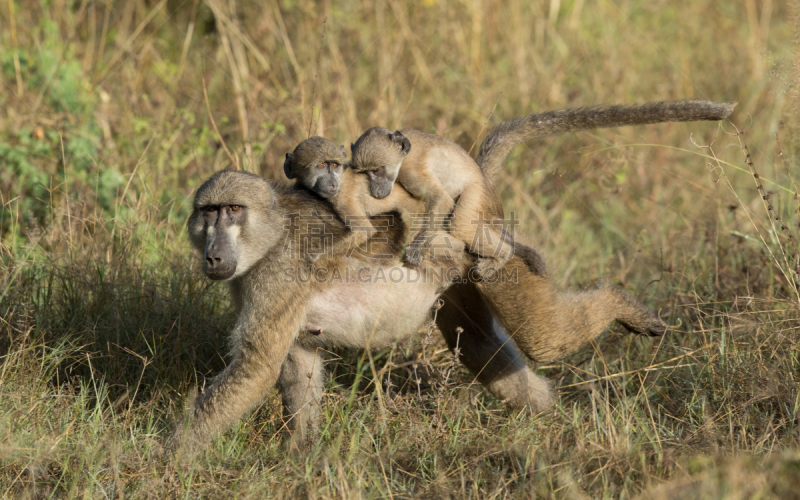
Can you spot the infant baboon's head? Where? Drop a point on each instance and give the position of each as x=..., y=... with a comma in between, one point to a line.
x=379, y=153
x=317, y=164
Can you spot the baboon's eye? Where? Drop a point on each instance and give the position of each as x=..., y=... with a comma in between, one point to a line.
x=234, y=208
x=321, y=165
x=334, y=165
x=209, y=209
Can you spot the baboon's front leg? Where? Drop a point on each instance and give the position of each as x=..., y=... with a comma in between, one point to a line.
x=259, y=347
x=301, y=383
x=466, y=323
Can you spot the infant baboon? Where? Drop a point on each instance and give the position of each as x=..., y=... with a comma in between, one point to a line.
x=319, y=165
x=439, y=171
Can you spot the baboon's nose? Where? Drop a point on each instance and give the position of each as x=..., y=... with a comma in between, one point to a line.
x=220, y=264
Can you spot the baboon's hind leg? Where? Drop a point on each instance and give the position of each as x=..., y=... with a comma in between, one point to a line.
x=466, y=322
x=548, y=323
x=301, y=383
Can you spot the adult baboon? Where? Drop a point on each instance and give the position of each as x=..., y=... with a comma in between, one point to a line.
x=251, y=231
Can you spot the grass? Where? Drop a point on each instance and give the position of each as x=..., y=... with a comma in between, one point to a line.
x=106, y=321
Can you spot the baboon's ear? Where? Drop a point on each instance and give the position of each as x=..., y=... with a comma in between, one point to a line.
x=352, y=147
x=287, y=166
x=402, y=141
x=344, y=151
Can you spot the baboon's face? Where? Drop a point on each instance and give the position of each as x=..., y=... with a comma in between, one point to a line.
x=322, y=176
x=223, y=225
x=379, y=153
x=381, y=181
x=317, y=164
x=231, y=225
x=326, y=181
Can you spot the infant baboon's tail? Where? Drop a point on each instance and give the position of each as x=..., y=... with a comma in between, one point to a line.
x=555, y=323
x=502, y=138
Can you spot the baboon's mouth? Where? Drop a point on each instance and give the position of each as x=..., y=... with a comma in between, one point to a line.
x=329, y=193
x=381, y=191
x=221, y=274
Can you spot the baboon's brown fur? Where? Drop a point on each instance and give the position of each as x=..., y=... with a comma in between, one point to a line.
x=269, y=344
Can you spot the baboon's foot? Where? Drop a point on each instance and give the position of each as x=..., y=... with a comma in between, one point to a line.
x=652, y=326
x=637, y=318
x=525, y=390
x=299, y=440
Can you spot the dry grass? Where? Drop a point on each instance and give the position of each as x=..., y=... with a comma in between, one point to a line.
x=105, y=322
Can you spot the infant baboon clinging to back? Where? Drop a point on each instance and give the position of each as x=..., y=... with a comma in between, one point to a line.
x=439, y=171
x=319, y=165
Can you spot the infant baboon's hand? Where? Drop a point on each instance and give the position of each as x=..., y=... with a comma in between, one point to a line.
x=413, y=257
x=415, y=251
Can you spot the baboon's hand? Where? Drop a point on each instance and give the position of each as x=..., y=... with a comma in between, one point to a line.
x=413, y=257
x=415, y=252
x=177, y=445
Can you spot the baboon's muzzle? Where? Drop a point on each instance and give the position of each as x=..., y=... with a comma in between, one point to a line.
x=220, y=258
x=379, y=186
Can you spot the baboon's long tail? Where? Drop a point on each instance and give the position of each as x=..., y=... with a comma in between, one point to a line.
x=502, y=138
x=555, y=323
